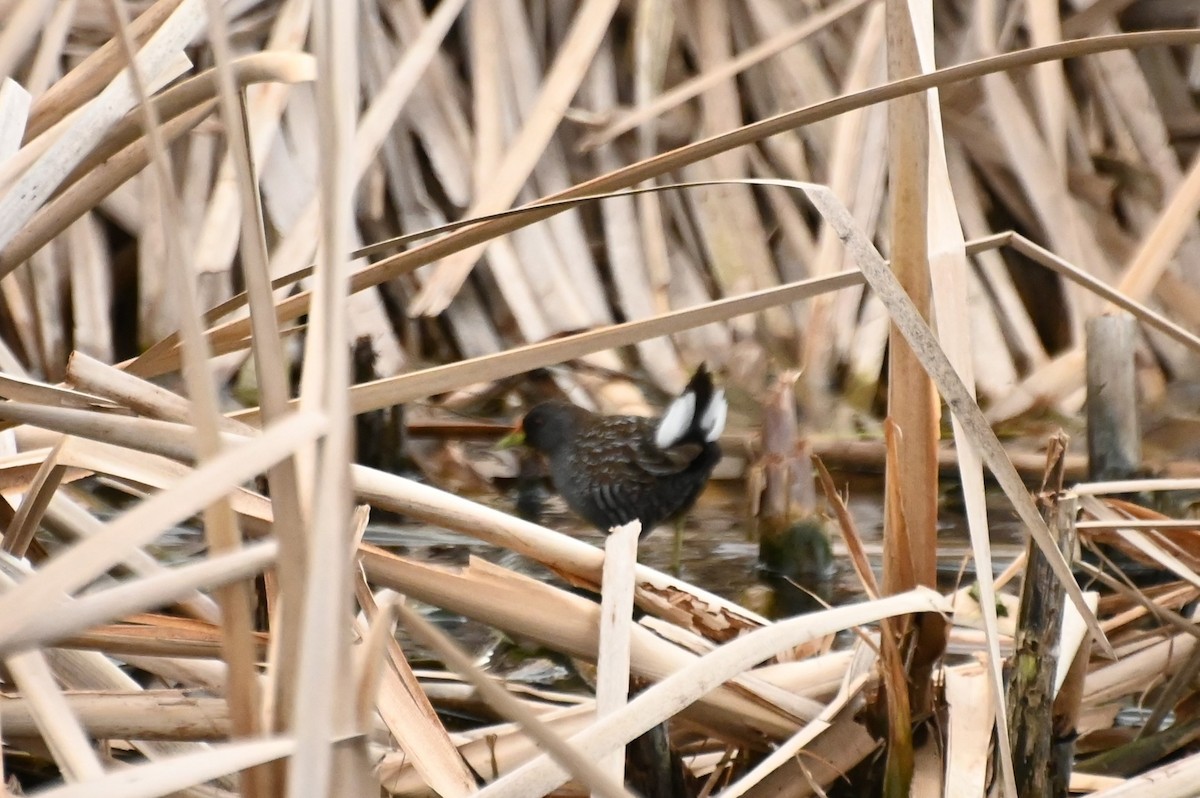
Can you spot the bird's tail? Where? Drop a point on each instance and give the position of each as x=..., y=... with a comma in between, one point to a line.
x=696, y=416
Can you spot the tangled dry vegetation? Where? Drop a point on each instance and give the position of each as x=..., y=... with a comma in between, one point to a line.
x=1036, y=167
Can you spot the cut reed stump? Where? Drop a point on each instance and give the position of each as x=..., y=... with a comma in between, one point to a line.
x=1041, y=765
x=795, y=555
x=1114, y=436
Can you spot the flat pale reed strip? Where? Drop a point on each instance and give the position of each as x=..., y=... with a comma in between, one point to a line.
x=970, y=716
x=147, y=715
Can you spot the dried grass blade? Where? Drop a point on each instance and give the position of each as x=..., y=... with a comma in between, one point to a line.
x=419, y=384
x=858, y=555
x=323, y=699
x=1077, y=275
x=792, y=748
x=270, y=368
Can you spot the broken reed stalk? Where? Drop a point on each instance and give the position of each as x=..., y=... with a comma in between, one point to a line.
x=1039, y=625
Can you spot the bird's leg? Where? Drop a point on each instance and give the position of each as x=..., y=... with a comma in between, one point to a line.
x=677, y=548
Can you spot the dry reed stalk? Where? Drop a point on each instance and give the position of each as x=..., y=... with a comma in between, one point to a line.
x=323, y=467
x=287, y=507
x=58, y=726
x=220, y=523
x=153, y=589
x=150, y=715
x=968, y=739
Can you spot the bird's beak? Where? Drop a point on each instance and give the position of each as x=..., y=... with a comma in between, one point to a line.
x=512, y=439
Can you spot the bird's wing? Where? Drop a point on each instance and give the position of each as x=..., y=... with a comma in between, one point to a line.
x=664, y=462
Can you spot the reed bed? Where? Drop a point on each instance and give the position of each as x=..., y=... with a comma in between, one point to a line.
x=918, y=207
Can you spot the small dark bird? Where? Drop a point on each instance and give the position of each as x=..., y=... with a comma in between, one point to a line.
x=613, y=469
